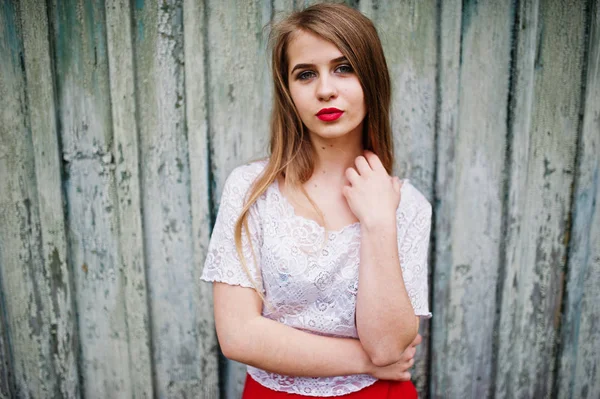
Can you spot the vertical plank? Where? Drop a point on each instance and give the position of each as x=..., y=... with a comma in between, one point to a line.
x=83, y=96
x=463, y=337
x=544, y=136
x=42, y=117
x=196, y=107
x=240, y=102
x=168, y=230
x=445, y=185
x=130, y=233
x=408, y=33
x=30, y=306
x=579, y=368
x=6, y=380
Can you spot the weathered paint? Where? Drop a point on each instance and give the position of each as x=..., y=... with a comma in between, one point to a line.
x=83, y=94
x=28, y=305
x=46, y=152
x=408, y=33
x=544, y=135
x=579, y=367
x=462, y=347
x=165, y=193
x=144, y=165
x=126, y=159
x=239, y=93
x=196, y=107
x=445, y=202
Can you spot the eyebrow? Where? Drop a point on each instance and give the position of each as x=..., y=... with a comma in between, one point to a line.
x=335, y=60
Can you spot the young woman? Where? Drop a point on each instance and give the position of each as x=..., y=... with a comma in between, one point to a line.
x=319, y=256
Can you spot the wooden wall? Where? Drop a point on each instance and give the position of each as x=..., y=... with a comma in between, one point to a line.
x=120, y=120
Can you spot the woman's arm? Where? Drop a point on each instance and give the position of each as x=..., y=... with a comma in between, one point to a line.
x=385, y=318
x=248, y=337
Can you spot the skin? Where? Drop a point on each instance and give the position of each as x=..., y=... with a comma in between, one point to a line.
x=348, y=185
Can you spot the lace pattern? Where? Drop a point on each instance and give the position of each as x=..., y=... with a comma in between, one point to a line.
x=310, y=284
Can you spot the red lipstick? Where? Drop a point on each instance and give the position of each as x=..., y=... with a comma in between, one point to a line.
x=329, y=114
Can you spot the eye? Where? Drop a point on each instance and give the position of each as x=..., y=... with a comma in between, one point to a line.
x=344, y=68
x=305, y=75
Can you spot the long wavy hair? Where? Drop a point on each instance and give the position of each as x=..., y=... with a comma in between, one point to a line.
x=292, y=154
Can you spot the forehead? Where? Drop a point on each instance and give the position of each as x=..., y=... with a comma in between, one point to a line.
x=308, y=48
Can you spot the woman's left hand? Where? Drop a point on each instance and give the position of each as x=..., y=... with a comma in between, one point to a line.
x=373, y=195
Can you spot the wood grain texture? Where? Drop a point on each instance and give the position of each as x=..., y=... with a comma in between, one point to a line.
x=544, y=135
x=196, y=107
x=240, y=102
x=34, y=288
x=43, y=125
x=445, y=186
x=579, y=368
x=130, y=233
x=167, y=211
x=465, y=333
x=408, y=33
x=83, y=94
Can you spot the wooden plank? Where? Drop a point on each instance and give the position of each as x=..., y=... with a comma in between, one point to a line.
x=546, y=107
x=168, y=229
x=579, y=368
x=130, y=232
x=83, y=96
x=28, y=309
x=42, y=118
x=6, y=377
x=445, y=185
x=463, y=337
x=196, y=95
x=408, y=33
x=240, y=94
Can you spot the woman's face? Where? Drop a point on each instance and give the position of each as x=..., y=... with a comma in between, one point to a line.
x=324, y=88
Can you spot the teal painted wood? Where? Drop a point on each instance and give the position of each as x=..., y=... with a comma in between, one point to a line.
x=465, y=334
x=446, y=195
x=46, y=153
x=146, y=133
x=579, y=368
x=35, y=293
x=408, y=33
x=130, y=231
x=83, y=95
x=239, y=94
x=542, y=167
x=167, y=211
x=196, y=102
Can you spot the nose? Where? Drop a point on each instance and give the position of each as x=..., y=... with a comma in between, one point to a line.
x=326, y=88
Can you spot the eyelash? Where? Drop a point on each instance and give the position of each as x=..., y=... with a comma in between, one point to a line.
x=302, y=75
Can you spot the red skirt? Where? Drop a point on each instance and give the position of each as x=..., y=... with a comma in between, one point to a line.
x=379, y=390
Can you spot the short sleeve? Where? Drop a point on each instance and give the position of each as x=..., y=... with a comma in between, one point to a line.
x=222, y=262
x=413, y=249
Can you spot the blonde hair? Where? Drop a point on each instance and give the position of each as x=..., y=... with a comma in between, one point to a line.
x=291, y=153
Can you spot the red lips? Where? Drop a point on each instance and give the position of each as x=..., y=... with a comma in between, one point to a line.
x=329, y=114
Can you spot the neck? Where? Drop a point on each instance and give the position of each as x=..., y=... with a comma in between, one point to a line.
x=334, y=156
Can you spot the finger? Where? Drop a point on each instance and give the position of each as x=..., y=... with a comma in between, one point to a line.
x=362, y=165
x=404, y=376
x=374, y=161
x=411, y=362
x=352, y=175
x=417, y=341
x=346, y=191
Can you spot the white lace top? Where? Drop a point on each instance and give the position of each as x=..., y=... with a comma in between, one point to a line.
x=311, y=285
